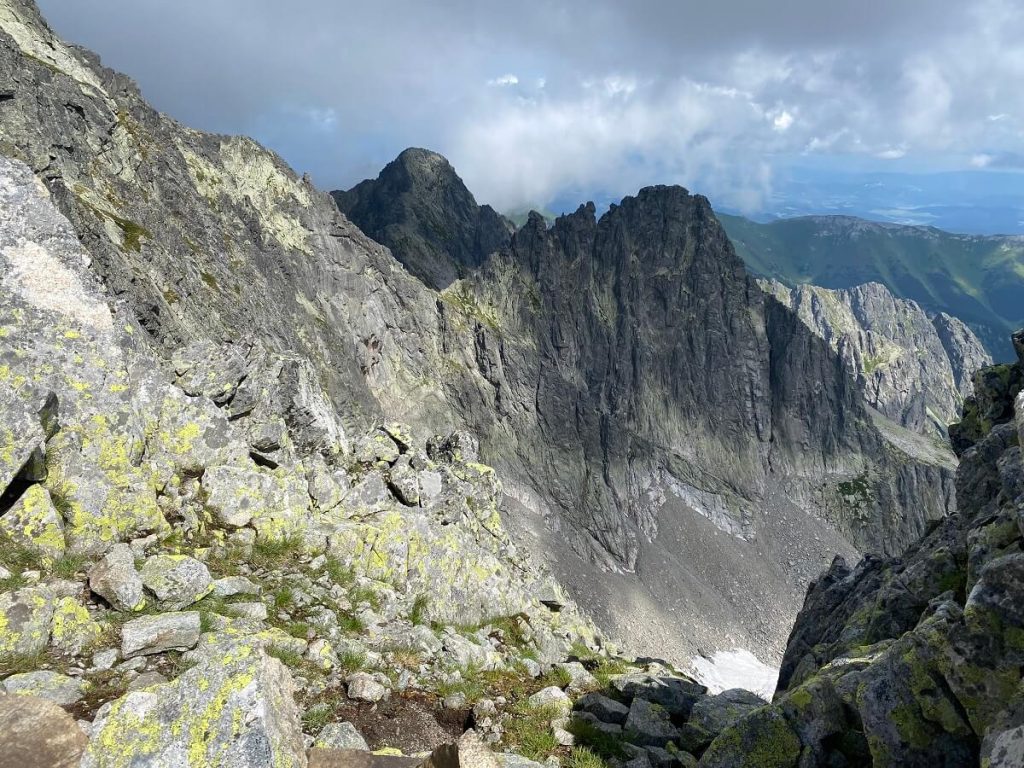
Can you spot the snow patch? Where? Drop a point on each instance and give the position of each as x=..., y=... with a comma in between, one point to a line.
x=737, y=668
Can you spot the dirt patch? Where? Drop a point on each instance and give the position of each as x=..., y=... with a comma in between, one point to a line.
x=412, y=723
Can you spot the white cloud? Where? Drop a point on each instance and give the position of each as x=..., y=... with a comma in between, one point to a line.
x=981, y=160
x=782, y=121
x=894, y=153
x=504, y=80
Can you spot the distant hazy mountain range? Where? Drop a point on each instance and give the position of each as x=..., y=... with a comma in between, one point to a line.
x=978, y=278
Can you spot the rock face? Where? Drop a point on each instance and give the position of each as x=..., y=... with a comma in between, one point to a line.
x=643, y=401
x=916, y=660
x=914, y=367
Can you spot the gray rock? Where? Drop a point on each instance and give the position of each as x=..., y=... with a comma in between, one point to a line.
x=229, y=586
x=45, y=684
x=363, y=687
x=716, y=713
x=238, y=496
x=377, y=447
x=404, y=482
x=912, y=366
x=510, y=760
x=146, y=680
x=207, y=370
x=115, y=579
x=163, y=632
x=26, y=617
x=648, y=724
x=581, y=681
x=34, y=523
x=674, y=694
x=459, y=446
x=553, y=697
x=340, y=736
x=176, y=580
x=254, y=611
x=35, y=733
x=604, y=709
x=21, y=440
x=105, y=659
x=466, y=653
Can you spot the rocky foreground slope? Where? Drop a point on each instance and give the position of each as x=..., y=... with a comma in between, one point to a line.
x=914, y=367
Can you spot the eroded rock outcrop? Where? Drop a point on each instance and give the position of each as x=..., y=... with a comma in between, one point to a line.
x=916, y=660
x=912, y=366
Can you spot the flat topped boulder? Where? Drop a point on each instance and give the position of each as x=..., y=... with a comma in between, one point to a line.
x=716, y=713
x=163, y=632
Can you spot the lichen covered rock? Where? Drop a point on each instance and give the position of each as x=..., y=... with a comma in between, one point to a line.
x=33, y=522
x=177, y=581
x=115, y=579
x=237, y=710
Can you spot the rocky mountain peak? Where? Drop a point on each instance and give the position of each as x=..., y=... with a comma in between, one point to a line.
x=418, y=199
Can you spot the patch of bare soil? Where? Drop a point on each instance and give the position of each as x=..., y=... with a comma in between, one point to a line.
x=412, y=723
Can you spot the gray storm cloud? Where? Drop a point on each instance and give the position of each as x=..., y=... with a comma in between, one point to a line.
x=531, y=100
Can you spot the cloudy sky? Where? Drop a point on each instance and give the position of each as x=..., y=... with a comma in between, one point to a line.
x=763, y=106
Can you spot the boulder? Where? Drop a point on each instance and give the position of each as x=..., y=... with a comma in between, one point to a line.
x=340, y=736
x=648, y=724
x=673, y=693
x=553, y=697
x=363, y=687
x=115, y=579
x=177, y=580
x=36, y=733
x=45, y=684
x=459, y=446
x=604, y=709
x=34, y=523
x=468, y=752
x=716, y=713
x=205, y=369
x=25, y=621
x=274, y=502
x=763, y=739
x=162, y=632
x=230, y=586
x=581, y=680
x=72, y=628
x=235, y=710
